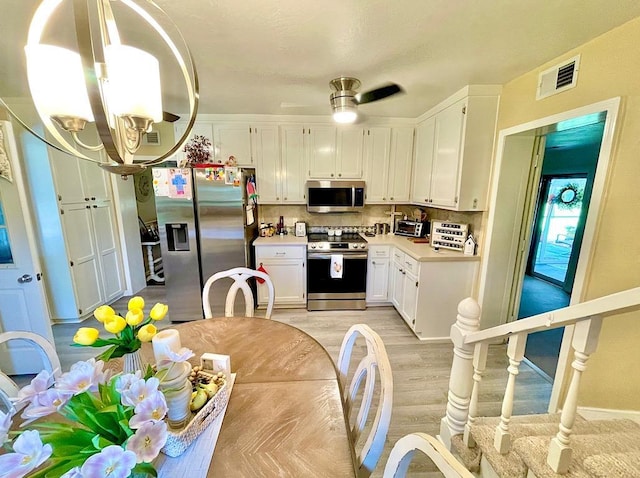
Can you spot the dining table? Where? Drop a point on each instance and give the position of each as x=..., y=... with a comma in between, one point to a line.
x=285, y=416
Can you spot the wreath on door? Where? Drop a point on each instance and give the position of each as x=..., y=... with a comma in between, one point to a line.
x=568, y=197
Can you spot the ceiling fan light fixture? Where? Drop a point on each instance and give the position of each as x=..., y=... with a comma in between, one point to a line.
x=345, y=114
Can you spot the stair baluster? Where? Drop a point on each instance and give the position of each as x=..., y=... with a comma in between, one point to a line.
x=515, y=352
x=461, y=378
x=584, y=342
x=479, y=364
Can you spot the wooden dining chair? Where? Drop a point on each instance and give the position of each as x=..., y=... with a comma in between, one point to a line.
x=45, y=349
x=239, y=276
x=405, y=448
x=364, y=379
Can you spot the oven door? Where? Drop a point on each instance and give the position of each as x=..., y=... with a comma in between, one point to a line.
x=352, y=285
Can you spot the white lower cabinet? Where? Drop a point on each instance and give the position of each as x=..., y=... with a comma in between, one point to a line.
x=378, y=274
x=426, y=294
x=287, y=268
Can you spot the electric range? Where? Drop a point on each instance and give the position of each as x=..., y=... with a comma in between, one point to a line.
x=336, y=272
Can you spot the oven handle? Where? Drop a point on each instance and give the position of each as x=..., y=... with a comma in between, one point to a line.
x=345, y=256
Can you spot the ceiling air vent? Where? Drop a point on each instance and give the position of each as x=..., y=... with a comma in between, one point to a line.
x=152, y=138
x=558, y=78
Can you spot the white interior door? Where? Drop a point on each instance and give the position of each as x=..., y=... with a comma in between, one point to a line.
x=22, y=300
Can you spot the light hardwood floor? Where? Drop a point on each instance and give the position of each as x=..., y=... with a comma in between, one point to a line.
x=420, y=370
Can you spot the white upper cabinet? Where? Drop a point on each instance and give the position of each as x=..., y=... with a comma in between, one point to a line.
x=280, y=169
x=400, y=160
x=320, y=147
x=293, y=169
x=268, y=174
x=425, y=137
x=454, y=146
x=388, y=157
x=377, y=143
x=350, y=144
x=233, y=140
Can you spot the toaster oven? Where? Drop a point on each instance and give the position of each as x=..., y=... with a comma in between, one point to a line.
x=409, y=228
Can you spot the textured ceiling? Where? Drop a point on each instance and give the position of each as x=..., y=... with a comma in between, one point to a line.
x=254, y=55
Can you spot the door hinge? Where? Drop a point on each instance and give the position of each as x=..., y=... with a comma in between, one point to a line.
x=80, y=311
x=249, y=129
x=535, y=162
x=59, y=197
x=416, y=283
x=464, y=110
x=303, y=295
x=71, y=263
x=61, y=211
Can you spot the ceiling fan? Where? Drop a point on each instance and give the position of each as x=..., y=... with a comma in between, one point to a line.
x=345, y=97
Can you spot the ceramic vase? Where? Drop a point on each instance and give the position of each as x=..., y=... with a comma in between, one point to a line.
x=177, y=393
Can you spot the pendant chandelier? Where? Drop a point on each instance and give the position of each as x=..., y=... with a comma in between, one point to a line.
x=109, y=90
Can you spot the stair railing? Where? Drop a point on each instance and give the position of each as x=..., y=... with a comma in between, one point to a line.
x=470, y=347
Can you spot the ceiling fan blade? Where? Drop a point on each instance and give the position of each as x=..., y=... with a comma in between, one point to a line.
x=378, y=93
x=169, y=117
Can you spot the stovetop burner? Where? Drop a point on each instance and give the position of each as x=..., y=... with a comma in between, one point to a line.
x=350, y=242
x=324, y=237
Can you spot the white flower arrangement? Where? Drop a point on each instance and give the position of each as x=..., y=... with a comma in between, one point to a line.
x=114, y=426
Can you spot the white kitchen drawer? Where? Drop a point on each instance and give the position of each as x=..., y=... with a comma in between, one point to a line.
x=398, y=256
x=378, y=251
x=410, y=264
x=281, y=252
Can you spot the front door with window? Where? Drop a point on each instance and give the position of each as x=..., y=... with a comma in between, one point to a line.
x=22, y=301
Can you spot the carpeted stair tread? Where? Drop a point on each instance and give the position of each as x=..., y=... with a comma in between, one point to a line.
x=614, y=465
x=511, y=464
x=469, y=457
x=533, y=451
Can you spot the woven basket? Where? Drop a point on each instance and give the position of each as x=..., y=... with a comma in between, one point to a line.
x=179, y=441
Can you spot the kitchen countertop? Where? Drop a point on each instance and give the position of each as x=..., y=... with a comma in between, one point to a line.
x=420, y=252
x=277, y=240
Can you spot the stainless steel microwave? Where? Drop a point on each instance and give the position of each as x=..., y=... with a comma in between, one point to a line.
x=335, y=196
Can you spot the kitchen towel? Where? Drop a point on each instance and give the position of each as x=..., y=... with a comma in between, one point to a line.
x=336, y=266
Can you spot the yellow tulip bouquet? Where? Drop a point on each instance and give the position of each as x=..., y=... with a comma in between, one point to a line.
x=130, y=331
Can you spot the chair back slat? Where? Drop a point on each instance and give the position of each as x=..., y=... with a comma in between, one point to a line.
x=239, y=275
x=44, y=348
x=375, y=362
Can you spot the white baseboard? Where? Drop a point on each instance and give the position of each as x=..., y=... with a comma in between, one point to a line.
x=591, y=413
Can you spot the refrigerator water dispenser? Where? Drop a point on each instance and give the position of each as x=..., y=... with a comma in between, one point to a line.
x=177, y=237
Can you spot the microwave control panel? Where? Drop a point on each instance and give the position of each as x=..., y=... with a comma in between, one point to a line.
x=449, y=235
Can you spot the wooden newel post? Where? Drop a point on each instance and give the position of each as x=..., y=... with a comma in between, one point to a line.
x=461, y=378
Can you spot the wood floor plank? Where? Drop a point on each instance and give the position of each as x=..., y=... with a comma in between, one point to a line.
x=420, y=370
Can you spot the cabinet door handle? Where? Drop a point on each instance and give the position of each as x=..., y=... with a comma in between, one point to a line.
x=281, y=253
x=339, y=175
x=93, y=198
x=391, y=198
x=86, y=199
x=373, y=262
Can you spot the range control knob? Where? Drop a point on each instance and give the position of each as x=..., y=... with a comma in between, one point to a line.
x=362, y=246
x=313, y=246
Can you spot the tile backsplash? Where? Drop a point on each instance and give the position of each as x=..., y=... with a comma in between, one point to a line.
x=367, y=218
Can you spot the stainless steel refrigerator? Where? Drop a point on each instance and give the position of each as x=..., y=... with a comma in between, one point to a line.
x=207, y=221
